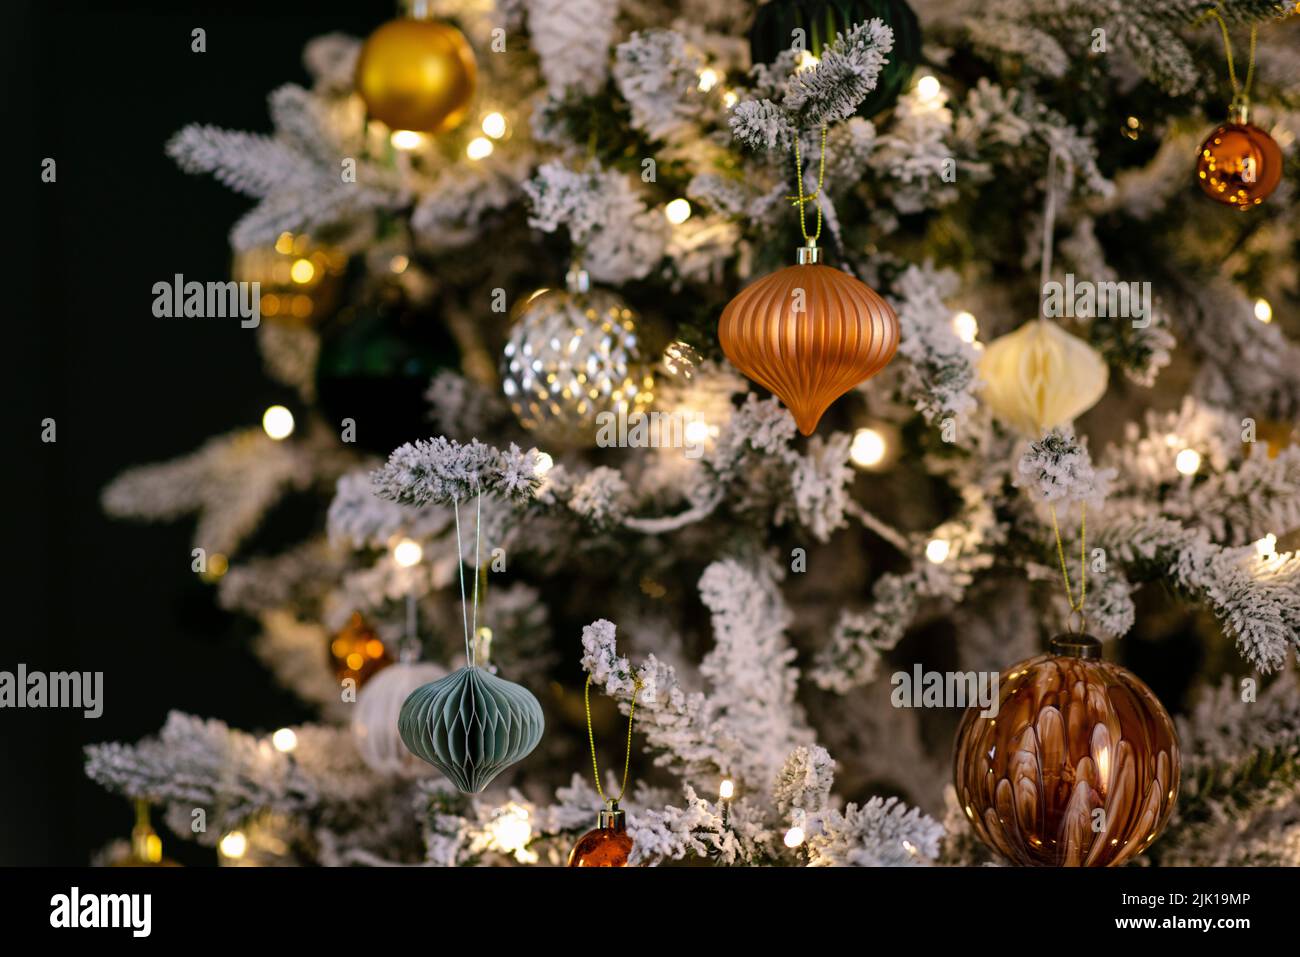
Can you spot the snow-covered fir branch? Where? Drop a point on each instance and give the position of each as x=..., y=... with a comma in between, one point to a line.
x=441, y=471
x=230, y=483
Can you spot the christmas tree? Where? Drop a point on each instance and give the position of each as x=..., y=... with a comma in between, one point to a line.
x=1044, y=383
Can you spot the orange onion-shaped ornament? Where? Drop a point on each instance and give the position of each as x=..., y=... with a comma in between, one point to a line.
x=608, y=845
x=1239, y=164
x=1078, y=768
x=808, y=333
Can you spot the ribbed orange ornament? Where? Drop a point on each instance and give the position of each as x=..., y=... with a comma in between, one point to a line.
x=808, y=333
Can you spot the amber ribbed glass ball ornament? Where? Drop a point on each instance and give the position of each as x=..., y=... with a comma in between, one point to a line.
x=608, y=845
x=1239, y=164
x=417, y=74
x=808, y=334
x=1079, y=767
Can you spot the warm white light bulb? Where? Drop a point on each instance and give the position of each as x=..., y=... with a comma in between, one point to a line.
x=494, y=125
x=407, y=553
x=277, y=421
x=965, y=326
x=726, y=789
x=807, y=60
x=1266, y=547
x=1188, y=461
x=406, y=139
x=284, y=740
x=511, y=830
x=868, y=448
x=794, y=836
x=708, y=80
x=730, y=98
x=928, y=87
x=480, y=147
x=937, y=549
x=678, y=211
x=544, y=463
x=697, y=432
x=234, y=844
x=1263, y=310
x=302, y=271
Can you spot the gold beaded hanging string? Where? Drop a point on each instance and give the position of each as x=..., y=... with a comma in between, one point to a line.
x=1076, y=608
x=612, y=803
x=1240, y=92
x=1049, y=227
x=800, y=199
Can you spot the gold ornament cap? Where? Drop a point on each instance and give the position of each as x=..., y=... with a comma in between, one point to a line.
x=576, y=280
x=1076, y=646
x=810, y=254
x=612, y=817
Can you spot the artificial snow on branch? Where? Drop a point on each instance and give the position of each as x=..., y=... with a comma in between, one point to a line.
x=822, y=94
x=441, y=471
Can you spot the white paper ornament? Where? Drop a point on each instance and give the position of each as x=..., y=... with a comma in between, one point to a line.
x=1040, y=376
x=374, y=721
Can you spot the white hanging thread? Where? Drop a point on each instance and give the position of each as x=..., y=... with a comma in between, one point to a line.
x=410, y=645
x=1049, y=227
x=478, y=539
x=460, y=565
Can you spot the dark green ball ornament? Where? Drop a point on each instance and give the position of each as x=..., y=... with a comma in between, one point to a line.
x=471, y=725
x=775, y=24
x=378, y=355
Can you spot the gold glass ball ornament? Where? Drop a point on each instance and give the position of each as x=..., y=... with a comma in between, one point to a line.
x=574, y=354
x=417, y=74
x=1239, y=164
x=1079, y=767
x=299, y=279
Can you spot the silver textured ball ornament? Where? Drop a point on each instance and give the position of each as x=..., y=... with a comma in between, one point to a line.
x=374, y=719
x=573, y=354
x=471, y=726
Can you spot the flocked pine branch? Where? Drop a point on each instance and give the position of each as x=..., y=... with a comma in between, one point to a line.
x=440, y=471
x=298, y=175
x=230, y=483
x=820, y=95
x=1241, y=777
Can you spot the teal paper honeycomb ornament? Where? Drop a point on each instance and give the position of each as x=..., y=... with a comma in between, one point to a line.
x=471, y=726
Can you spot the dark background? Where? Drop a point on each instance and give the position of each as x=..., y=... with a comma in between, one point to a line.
x=100, y=87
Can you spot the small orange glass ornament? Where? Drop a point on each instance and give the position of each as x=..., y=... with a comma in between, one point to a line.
x=1239, y=164
x=146, y=845
x=1079, y=768
x=356, y=652
x=608, y=845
